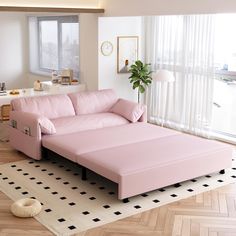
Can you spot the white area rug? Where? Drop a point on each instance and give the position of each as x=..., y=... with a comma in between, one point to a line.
x=71, y=205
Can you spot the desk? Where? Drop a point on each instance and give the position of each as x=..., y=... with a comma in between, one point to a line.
x=49, y=90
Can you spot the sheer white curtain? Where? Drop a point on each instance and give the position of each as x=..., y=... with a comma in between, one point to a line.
x=183, y=45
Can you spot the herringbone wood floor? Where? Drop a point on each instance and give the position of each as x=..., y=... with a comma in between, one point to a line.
x=211, y=213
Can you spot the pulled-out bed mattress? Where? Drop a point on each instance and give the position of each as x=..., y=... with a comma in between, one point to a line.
x=141, y=157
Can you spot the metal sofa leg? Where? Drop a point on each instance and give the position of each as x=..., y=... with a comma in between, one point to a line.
x=222, y=172
x=84, y=173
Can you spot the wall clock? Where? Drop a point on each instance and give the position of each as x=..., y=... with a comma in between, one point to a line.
x=106, y=48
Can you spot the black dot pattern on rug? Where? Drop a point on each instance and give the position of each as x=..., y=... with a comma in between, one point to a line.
x=4, y=178
x=190, y=190
x=106, y=206
x=96, y=219
x=117, y=213
x=31, y=162
x=26, y=174
x=174, y=195
x=82, y=193
x=233, y=168
x=75, y=174
x=208, y=176
x=92, y=198
x=13, y=166
x=32, y=178
x=111, y=193
x=58, y=178
x=161, y=190
x=33, y=197
x=62, y=198
x=74, y=188
x=220, y=180
x=177, y=185
x=65, y=183
x=11, y=183
x=18, y=187
x=48, y=210
x=156, y=201
x=39, y=182
x=46, y=187
x=50, y=174
x=37, y=166
x=19, y=170
x=24, y=193
x=72, y=204
x=54, y=193
x=61, y=166
x=71, y=227
x=205, y=185
x=61, y=220
x=137, y=207
x=92, y=183
x=102, y=188
x=85, y=213
x=144, y=195
x=68, y=170
x=233, y=176
x=44, y=170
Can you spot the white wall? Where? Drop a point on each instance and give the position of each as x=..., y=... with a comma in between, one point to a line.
x=51, y=3
x=89, y=50
x=161, y=7
x=13, y=50
x=109, y=29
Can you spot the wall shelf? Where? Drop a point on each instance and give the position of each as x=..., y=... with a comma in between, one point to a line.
x=51, y=9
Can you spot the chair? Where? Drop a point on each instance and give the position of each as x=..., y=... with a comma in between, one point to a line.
x=4, y=118
x=5, y=112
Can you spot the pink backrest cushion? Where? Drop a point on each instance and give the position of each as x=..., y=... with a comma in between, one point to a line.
x=52, y=107
x=130, y=110
x=93, y=102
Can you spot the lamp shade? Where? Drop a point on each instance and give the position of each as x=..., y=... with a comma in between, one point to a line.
x=163, y=76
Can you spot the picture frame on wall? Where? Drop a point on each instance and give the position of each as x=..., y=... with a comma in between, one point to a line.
x=127, y=52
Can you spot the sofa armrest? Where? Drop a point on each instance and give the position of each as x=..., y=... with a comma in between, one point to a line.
x=26, y=131
x=143, y=117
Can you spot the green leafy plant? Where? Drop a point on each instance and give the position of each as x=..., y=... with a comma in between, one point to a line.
x=140, y=76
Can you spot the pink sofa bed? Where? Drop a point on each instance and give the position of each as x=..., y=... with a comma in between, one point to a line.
x=104, y=136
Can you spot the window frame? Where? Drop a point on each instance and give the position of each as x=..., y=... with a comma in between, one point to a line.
x=60, y=20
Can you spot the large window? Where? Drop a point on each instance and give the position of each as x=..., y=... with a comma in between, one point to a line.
x=54, y=44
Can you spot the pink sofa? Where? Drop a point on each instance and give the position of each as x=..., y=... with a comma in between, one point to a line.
x=35, y=118
x=101, y=133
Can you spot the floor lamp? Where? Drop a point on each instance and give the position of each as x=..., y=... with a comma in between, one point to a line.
x=163, y=76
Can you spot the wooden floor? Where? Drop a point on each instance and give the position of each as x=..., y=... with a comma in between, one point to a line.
x=212, y=213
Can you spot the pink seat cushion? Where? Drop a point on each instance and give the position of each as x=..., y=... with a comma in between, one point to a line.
x=93, y=102
x=74, y=145
x=67, y=125
x=49, y=106
x=130, y=110
x=134, y=158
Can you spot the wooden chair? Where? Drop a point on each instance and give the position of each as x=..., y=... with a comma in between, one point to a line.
x=5, y=112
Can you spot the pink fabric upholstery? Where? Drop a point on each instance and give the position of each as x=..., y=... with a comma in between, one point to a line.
x=47, y=127
x=93, y=102
x=130, y=110
x=150, y=155
x=67, y=125
x=28, y=144
x=73, y=145
x=52, y=107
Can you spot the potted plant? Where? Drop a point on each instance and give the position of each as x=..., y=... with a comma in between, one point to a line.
x=140, y=76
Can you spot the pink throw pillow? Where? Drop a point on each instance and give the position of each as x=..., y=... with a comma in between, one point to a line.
x=130, y=110
x=47, y=127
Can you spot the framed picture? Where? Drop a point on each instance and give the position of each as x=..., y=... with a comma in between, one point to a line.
x=127, y=52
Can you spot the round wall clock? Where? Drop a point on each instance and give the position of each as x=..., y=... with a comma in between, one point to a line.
x=106, y=48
